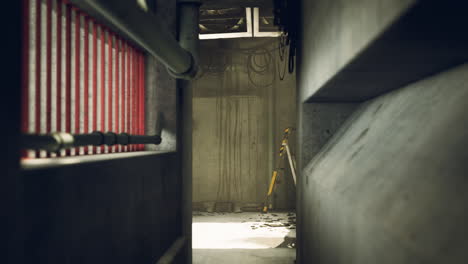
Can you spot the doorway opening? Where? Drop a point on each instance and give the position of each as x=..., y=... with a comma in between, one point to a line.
x=242, y=104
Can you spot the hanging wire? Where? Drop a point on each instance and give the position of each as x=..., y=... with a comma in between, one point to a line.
x=260, y=69
x=282, y=56
x=260, y=62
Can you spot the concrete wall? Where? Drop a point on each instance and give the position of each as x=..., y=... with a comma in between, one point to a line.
x=382, y=180
x=389, y=186
x=238, y=124
x=334, y=32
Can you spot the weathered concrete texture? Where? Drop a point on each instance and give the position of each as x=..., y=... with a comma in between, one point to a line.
x=320, y=121
x=390, y=186
x=414, y=47
x=334, y=32
x=161, y=97
x=161, y=92
x=239, y=117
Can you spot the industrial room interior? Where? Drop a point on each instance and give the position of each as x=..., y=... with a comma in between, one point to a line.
x=235, y=131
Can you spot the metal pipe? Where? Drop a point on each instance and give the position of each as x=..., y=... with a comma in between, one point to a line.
x=189, y=12
x=57, y=141
x=145, y=29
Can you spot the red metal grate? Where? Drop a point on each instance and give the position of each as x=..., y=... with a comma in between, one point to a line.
x=79, y=76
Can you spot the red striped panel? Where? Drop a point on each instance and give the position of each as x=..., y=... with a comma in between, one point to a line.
x=129, y=56
x=134, y=98
x=59, y=66
x=95, y=81
x=68, y=80
x=124, y=99
x=37, y=109
x=109, y=83
x=124, y=91
x=49, y=66
x=86, y=78
x=117, y=88
x=62, y=66
x=140, y=95
x=77, y=73
x=143, y=103
x=103, y=83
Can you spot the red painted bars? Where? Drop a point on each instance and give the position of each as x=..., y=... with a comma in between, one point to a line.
x=103, y=84
x=37, y=110
x=117, y=88
x=68, y=79
x=77, y=74
x=101, y=92
x=86, y=79
x=95, y=81
x=59, y=67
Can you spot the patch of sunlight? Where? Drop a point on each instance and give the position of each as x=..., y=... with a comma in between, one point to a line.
x=236, y=235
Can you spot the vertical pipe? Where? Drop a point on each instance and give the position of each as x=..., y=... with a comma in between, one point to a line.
x=77, y=74
x=86, y=78
x=103, y=86
x=25, y=71
x=68, y=72
x=188, y=35
x=109, y=83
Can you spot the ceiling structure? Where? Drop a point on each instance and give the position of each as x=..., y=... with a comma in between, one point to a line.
x=235, y=16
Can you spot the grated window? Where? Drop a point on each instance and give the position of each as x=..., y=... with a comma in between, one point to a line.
x=79, y=76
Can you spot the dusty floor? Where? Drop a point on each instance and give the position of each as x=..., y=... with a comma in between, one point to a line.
x=244, y=237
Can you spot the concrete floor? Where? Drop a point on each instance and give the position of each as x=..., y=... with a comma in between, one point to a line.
x=244, y=238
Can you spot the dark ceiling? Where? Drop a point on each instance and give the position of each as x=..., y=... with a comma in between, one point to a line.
x=228, y=16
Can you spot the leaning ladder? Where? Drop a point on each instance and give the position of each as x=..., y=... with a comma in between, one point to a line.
x=284, y=151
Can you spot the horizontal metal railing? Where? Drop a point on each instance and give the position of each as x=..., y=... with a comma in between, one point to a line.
x=55, y=142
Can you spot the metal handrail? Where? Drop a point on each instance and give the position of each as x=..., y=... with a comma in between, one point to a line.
x=55, y=142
